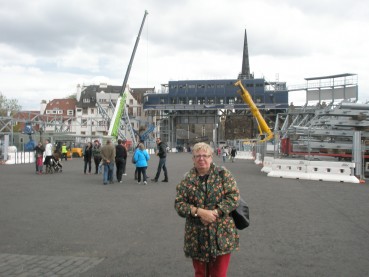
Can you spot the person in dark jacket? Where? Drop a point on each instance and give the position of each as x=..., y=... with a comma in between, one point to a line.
x=39, y=157
x=233, y=153
x=120, y=159
x=96, y=153
x=87, y=155
x=162, y=154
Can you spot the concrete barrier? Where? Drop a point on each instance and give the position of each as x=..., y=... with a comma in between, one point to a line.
x=294, y=169
x=244, y=155
x=267, y=164
x=313, y=170
x=332, y=171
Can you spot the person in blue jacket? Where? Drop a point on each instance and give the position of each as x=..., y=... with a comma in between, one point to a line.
x=141, y=157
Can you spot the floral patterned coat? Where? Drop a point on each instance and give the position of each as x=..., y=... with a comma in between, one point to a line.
x=205, y=243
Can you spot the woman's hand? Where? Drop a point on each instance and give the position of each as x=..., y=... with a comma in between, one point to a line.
x=207, y=216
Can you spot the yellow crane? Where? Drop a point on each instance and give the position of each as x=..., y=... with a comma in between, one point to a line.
x=262, y=125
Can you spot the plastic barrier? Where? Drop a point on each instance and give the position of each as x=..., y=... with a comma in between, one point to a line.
x=267, y=164
x=332, y=171
x=295, y=169
x=314, y=170
x=245, y=155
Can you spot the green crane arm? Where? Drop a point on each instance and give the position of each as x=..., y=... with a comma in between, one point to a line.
x=121, y=104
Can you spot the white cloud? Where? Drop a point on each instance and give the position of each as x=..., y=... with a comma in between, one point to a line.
x=48, y=47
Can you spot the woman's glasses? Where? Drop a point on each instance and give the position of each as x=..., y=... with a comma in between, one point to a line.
x=198, y=157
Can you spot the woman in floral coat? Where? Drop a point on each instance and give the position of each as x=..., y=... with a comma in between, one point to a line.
x=205, y=197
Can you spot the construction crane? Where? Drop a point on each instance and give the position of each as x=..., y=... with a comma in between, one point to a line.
x=120, y=116
x=262, y=125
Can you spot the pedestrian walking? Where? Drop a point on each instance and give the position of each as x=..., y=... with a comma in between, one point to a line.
x=108, y=156
x=125, y=161
x=120, y=159
x=39, y=157
x=233, y=153
x=64, y=151
x=87, y=156
x=96, y=153
x=48, y=154
x=225, y=153
x=141, y=158
x=205, y=197
x=162, y=154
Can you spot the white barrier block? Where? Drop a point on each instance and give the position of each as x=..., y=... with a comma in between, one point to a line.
x=332, y=171
x=245, y=155
x=258, y=159
x=11, y=158
x=267, y=164
x=293, y=169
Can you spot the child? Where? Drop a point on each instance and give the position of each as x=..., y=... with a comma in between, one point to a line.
x=39, y=163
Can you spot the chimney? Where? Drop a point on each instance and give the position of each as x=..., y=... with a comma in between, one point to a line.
x=78, y=94
x=43, y=105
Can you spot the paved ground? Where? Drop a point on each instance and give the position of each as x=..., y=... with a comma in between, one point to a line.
x=69, y=224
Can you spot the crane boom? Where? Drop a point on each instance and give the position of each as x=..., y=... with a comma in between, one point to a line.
x=121, y=102
x=263, y=126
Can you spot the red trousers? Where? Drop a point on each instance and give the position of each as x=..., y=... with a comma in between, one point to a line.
x=217, y=268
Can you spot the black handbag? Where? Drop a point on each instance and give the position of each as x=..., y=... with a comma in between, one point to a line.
x=241, y=215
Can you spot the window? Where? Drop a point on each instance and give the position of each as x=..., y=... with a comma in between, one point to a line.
x=131, y=101
x=84, y=111
x=200, y=100
x=211, y=100
x=139, y=112
x=220, y=101
x=130, y=111
x=84, y=122
x=230, y=100
x=70, y=112
x=259, y=99
x=86, y=100
x=54, y=112
x=92, y=111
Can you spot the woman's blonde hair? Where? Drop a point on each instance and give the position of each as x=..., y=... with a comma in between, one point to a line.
x=141, y=146
x=203, y=146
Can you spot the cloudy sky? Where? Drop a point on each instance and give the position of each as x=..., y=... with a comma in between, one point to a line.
x=47, y=47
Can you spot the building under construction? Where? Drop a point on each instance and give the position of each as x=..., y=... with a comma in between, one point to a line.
x=212, y=110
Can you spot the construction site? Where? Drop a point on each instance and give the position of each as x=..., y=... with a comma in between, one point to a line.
x=252, y=114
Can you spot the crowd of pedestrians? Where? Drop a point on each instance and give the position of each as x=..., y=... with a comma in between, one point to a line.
x=111, y=160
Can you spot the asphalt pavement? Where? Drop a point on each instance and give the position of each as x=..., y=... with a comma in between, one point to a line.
x=70, y=224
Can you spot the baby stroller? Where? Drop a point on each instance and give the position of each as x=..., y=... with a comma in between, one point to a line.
x=55, y=165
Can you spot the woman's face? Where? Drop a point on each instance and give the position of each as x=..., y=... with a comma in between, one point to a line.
x=202, y=160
